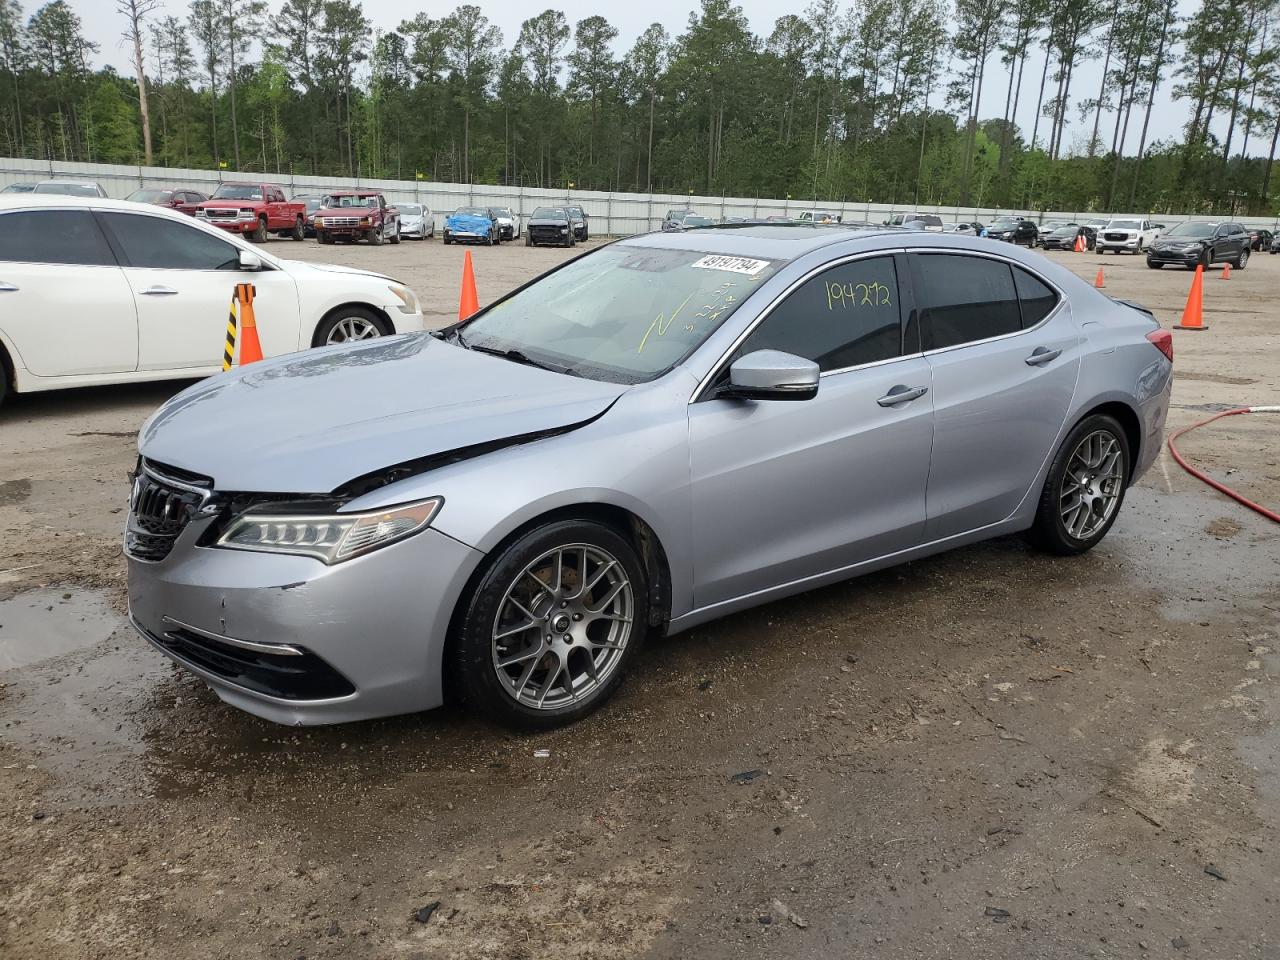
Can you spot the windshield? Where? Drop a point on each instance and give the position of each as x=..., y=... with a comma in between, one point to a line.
x=150, y=196
x=1005, y=224
x=19, y=188
x=1065, y=231
x=350, y=201
x=694, y=220
x=69, y=189
x=624, y=314
x=411, y=209
x=550, y=213
x=1124, y=225
x=471, y=212
x=232, y=191
x=312, y=203
x=1193, y=230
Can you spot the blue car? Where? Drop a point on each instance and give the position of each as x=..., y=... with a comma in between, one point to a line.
x=473, y=224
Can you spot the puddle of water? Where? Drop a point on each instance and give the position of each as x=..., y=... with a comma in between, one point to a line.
x=41, y=624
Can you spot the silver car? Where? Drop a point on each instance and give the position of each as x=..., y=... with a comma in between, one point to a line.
x=666, y=430
x=508, y=223
x=416, y=221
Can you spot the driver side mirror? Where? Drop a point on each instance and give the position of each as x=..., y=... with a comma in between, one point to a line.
x=250, y=260
x=771, y=375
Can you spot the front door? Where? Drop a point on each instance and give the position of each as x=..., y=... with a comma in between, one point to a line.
x=1005, y=354
x=783, y=491
x=183, y=279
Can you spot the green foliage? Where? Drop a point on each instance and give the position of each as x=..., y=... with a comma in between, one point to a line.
x=873, y=100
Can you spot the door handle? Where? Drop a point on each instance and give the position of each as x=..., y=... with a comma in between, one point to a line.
x=7, y=287
x=902, y=394
x=159, y=292
x=1042, y=355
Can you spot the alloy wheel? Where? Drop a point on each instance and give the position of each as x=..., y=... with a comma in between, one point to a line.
x=349, y=329
x=562, y=627
x=1091, y=484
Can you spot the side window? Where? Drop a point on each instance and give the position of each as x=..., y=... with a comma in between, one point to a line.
x=1036, y=297
x=53, y=236
x=843, y=317
x=162, y=244
x=962, y=299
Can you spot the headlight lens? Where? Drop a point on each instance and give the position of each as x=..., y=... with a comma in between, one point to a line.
x=408, y=302
x=329, y=538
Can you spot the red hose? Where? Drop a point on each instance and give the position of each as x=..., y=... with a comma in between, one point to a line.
x=1221, y=487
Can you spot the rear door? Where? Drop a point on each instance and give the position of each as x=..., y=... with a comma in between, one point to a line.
x=65, y=305
x=183, y=279
x=1004, y=352
x=788, y=490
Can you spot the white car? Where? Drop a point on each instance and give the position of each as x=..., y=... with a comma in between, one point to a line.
x=1131, y=234
x=416, y=221
x=96, y=291
x=508, y=223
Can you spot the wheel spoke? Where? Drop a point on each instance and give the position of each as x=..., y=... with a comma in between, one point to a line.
x=616, y=589
x=512, y=631
x=521, y=657
x=521, y=607
x=550, y=681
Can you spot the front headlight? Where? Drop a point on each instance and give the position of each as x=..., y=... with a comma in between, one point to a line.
x=247, y=214
x=564, y=229
x=329, y=538
x=408, y=302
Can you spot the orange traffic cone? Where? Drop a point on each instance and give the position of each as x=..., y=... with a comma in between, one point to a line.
x=469, y=304
x=1098, y=281
x=1193, y=315
x=1226, y=272
x=1080, y=246
x=250, y=348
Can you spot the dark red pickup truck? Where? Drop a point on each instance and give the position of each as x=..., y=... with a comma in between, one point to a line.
x=256, y=209
x=353, y=215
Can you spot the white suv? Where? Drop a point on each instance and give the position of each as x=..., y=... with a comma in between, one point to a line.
x=1133, y=235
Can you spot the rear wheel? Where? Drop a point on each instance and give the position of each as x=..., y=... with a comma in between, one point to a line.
x=552, y=625
x=349, y=325
x=299, y=229
x=1084, y=489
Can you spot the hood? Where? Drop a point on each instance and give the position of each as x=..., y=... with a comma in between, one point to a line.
x=548, y=221
x=309, y=422
x=300, y=266
x=467, y=221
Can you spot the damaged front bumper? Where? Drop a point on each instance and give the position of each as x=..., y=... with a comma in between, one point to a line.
x=294, y=641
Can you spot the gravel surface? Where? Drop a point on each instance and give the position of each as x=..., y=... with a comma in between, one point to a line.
x=991, y=753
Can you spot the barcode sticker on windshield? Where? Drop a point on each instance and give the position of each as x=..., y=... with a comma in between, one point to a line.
x=732, y=264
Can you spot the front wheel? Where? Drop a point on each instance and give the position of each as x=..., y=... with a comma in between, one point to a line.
x=347, y=325
x=1084, y=489
x=395, y=233
x=1153, y=265
x=1242, y=261
x=552, y=625
x=259, y=234
x=374, y=236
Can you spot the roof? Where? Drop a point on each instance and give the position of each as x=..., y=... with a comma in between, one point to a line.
x=353, y=193
x=772, y=241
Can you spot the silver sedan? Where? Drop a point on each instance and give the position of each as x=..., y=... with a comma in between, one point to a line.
x=666, y=430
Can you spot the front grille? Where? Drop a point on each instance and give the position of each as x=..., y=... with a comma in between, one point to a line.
x=286, y=676
x=218, y=213
x=160, y=507
x=341, y=221
x=1117, y=237
x=547, y=233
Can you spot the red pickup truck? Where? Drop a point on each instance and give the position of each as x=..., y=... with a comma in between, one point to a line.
x=353, y=215
x=256, y=209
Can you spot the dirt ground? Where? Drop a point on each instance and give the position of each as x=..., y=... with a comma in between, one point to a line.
x=988, y=754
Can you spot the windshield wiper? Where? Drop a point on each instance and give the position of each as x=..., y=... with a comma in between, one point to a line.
x=515, y=356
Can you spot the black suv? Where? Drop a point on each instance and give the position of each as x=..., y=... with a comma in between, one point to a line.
x=1013, y=230
x=1201, y=243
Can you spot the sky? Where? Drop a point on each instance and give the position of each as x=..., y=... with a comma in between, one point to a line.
x=102, y=24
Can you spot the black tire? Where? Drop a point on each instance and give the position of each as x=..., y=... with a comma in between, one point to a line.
x=321, y=336
x=374, y=236
x=395, y=233
x=1242, y=260
x=323, y=236
x=1206, y=261
x=472, y=663
x=447, y=239
x=573, y=241
x=4, y=377
x=527, y=241
x=491, y=240
x=299, y=231
x=1049, y=532
x=259, y=234
x=1153, y=265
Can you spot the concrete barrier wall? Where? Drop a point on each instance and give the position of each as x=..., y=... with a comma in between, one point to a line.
x=614, y=214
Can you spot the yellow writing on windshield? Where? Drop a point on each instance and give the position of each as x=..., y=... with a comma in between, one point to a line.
x=662, y=322
x=874, y=294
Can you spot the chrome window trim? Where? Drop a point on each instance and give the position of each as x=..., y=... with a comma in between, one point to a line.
x=706, y=381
